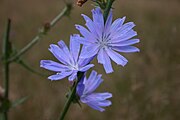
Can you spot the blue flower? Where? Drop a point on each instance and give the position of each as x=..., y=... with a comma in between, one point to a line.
x=106, y=40
x=85, y=91
x=70, y=62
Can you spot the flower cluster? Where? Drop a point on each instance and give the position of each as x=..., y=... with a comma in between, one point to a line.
x=104, y=40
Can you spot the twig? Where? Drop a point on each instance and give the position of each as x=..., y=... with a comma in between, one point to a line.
x=28, y=67
x=42, y=32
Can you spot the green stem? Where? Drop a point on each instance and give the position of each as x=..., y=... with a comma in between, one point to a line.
x=3, y=116
x=62, y=13
x=25, y=65
x=5, y=51
x=70, y=97
x=42, y=32
x=107, y=9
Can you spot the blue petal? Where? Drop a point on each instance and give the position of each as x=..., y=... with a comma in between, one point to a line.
x=125, y=28
x=91, y=78
x=87, y=67
x=124, y=37
x=98, y=16
x=84, y=61
x=59, y=75
x=92, y=84
x=104, y=103
x=108, y=22
x=126, y=49
x=121, y=31
x=80, y=88
x=96, y=97
x=90, y=51
x=97, y=100
x=73, y=76
x=98, y=20
x=128, y=35
x=66, y=51
x=74, y=46
x=83, y=31
x=90, y=25
x=126, y=43
x=95, y=106
x=84, y=41
x=117, y=24
x=53, y=66
x=59, y=54
x=100, y=56
x=101, y=96
x=119, y=59
x=84, y=79
x=107, y=63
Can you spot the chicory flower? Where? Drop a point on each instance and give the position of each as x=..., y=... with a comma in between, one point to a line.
x=107, y=39
x=85, y=91
x=69, y=60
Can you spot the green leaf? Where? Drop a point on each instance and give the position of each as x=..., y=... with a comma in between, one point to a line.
x=19, y=101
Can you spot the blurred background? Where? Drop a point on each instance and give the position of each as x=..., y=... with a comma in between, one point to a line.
x=147, y=88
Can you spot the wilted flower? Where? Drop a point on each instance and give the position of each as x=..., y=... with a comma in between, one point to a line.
x=104, y=39
x=70, y=64
x=85, y=91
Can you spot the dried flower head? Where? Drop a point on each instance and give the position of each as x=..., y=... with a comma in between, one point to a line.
x=81, y=2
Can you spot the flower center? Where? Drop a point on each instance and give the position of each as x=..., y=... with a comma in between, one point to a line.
x=103, y=44
x=74, y=67
x=104, y=41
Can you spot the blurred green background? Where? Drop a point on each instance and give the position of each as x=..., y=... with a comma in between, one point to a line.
x=147, y=88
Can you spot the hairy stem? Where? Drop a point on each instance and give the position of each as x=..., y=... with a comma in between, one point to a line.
x=71, y=97
x=42, y=32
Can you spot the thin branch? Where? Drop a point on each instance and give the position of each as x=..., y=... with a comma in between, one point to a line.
x=43, y=31
x=28, y=67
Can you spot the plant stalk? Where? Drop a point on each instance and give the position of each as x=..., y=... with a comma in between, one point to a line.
x=42, y=32
x=107, y=9
x=71, y=97
x=6, y=53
